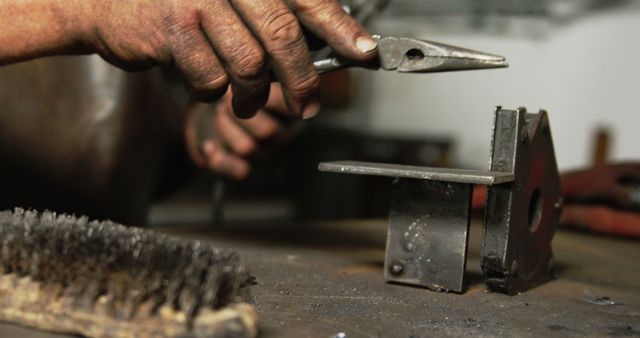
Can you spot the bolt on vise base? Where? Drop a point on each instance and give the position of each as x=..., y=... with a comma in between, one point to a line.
x=429, y=214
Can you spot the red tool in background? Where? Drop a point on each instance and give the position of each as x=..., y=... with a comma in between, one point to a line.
x=604, y=199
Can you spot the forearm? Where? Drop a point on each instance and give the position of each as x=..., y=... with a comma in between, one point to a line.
x=35, y=28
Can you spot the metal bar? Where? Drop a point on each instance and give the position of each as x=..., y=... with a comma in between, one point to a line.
x=415, y=172
x=428, y=234
x=521, y=217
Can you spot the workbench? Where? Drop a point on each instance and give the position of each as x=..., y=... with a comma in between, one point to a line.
x=326, y=280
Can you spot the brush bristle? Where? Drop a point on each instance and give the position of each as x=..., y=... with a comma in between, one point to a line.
x=130, y=266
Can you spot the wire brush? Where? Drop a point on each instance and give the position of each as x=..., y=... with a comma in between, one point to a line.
x=101, y=279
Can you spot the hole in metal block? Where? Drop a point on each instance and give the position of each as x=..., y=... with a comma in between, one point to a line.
x=535, y=210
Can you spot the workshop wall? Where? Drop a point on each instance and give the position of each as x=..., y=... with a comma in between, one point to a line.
x=580, y=66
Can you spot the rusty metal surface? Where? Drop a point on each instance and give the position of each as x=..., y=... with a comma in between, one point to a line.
x=321, y=280
x=521, y=217
x=428, y=234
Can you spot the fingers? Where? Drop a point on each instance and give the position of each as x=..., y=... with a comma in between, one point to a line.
x=262, y=126
x=330, y=22
x=278, y=30
x=277, y=33
x=228, y=153
x=211, y=150
x=222, y=162
x=242, y=56
x=194, y=58
x=271, y=122
x=276, y=103
x=232, y=134
x=195, y=113
x=243, y=135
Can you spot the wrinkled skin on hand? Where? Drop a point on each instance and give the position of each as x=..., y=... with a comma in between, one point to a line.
x=219, y=141
x=214, y=43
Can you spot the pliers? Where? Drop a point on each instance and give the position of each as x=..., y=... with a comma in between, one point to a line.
x=409, y=55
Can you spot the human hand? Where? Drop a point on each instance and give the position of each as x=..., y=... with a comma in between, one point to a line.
x=222, y=143
x=217, y=42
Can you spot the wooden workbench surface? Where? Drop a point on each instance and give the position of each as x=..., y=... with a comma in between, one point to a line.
x=325, y=279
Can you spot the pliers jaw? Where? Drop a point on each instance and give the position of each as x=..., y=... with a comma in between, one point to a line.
x=408, y=55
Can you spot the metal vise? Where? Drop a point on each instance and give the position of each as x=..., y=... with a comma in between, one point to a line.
x=430, y=211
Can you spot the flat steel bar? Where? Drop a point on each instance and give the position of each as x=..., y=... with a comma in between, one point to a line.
x=428, y=234
x=415, y=172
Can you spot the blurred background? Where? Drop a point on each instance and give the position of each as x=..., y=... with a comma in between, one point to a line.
x=574, y=58
x=110, y=144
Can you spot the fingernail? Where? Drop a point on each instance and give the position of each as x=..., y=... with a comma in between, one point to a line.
x=208, y=147
x=311, y=109
x=242, y=113
x=366, y=44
